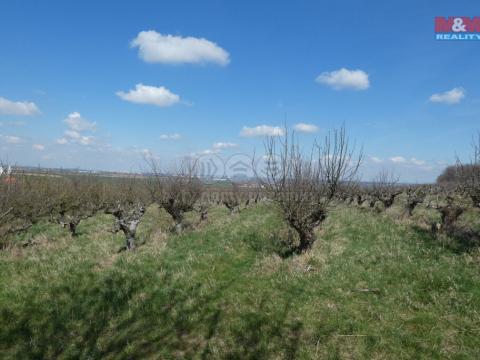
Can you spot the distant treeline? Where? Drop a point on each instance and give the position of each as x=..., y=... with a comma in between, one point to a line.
x=455, y=174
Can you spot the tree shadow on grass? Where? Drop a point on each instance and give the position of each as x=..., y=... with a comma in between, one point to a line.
x=139, y=315
x=459, y=240
x=263, y=334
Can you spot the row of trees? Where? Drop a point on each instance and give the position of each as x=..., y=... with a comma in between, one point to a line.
x=303, y=187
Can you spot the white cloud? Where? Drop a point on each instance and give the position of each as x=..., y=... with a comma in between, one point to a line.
x=417, y=162
x=75, y=134
x=207, y=152
x=144, y=94
x=11, y=139
x=154, y=47
x=306, y=128
x=86, y=140
x=38, y=147
x=345, y=79
x=8, y=107
x=204, y=152
x=72, y=136
x=224, y=145
x=77, y=123
x=453, y=96
x=262, y=130
x=376, y=159
x=216, y=148
x=411, y=161
x=170, y=136
x=398, y=159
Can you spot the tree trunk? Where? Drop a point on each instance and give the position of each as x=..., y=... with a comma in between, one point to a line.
x=410, y=207
x=307, y=238
x=72, y=227
x=130, y=242
x=178, y=219
x=130, y=232
x=203, y=215
x=449, y=217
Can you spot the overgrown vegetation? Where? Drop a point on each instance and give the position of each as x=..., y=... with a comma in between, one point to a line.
x=316, y=265
x=371, y=288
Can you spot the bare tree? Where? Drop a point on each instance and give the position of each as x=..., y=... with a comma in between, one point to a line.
x=232, y=199
x=384, y=188
x=450, y=211
x=203, y=211
x=303, y=187
x=76, y=199
x=24, y=200
x=177, y=193
x=127, y=201
x=469, y=174
x=415, y=195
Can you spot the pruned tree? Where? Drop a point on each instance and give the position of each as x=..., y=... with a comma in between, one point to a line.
x=304, y=187
x=24, y=200
x=450, y=211
x=202, y=210
x=232, y=199
x=127, y=201
x=415, y=195
x=177, y=193
x=385, y=188
x=76, y=199
x=350, y=194
x=469, y=174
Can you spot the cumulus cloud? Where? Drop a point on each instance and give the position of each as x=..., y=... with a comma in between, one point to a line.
x=216, y=149
x=11, y=139
x=376, y=159
x=72, y=136
x=417, y=162
x=345, y=79
x=453, y=96
x=77, y=123
x=411, y=161
x=9, y=107
x=38, y=147
x=306, y=128
x=207, y=152
x=204, y=152
x=224, y=145
x=75, y=134
x=262, y=130
x=154, y=47
x=398, y=159
x=144, y=94
x=170, y=136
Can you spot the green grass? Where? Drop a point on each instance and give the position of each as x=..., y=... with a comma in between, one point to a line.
x=372, y=287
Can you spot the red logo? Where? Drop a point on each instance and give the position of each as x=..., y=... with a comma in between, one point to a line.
x=457, y=24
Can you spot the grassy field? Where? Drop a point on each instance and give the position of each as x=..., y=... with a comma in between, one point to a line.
x=373, y=287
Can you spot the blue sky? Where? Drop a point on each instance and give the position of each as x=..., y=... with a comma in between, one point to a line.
x=74, y=92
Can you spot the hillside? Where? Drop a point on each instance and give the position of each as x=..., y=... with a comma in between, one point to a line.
x=370, y=288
